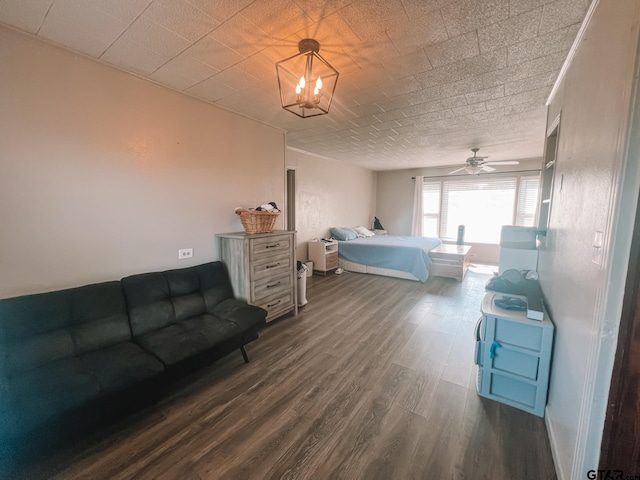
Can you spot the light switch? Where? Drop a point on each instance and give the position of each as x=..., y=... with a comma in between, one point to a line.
x=598, y=242
x=598, y=239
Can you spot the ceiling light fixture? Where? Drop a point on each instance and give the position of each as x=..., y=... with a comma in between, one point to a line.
x=473, y=169
x=306, y=81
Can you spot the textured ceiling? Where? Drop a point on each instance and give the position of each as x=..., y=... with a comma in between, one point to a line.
x=421, y=81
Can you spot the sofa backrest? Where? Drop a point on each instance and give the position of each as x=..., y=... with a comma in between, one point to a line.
x=45, y=327
x=155, y=300
x=99, y=316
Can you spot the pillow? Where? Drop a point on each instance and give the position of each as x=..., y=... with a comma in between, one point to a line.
x=343, y=233
x=363, y=232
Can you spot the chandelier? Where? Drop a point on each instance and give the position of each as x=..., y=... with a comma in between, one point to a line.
x=306, y=81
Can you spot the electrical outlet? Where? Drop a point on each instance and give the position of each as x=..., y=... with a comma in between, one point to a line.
x=185, y=253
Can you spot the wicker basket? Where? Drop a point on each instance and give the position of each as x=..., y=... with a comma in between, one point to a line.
x=256, y=221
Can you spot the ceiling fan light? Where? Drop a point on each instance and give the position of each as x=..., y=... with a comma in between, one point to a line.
x=473, y=169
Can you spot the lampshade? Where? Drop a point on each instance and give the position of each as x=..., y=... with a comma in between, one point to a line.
x=307, y=81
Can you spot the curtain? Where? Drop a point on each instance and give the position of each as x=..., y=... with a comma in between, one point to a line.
x=416, y=224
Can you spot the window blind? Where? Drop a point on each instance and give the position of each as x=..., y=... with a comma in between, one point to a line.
x=483, y=205
x=527, y=201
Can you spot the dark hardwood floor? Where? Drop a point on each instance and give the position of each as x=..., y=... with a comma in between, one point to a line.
x=373, y=379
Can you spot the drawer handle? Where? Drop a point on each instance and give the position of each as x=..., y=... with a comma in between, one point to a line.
x=274, y=265
x=274, y=245
x=274, y=285
x=273, y=304
x=492, y=349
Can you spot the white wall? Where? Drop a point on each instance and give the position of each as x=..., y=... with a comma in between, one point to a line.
x=593, y=99
x=329, y=194
x=394, y=202
x=103, y=174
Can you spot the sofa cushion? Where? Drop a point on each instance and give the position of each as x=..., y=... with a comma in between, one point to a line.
x=39, y=329
x=214, y=284
x=99, y=316
x=188, y=305
x=247, y=317
x=175, y=343
x=148, y=302
x=121, y=366
x=48, y=392
x=30, y=315
x=186, y=295
x=214, y=329
x=31, y=353
x=35, y=330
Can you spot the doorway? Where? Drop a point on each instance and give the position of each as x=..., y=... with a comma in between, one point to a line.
x=620, y=447
x=291, y=200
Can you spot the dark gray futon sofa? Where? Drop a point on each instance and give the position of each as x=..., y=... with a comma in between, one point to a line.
x=74, y=356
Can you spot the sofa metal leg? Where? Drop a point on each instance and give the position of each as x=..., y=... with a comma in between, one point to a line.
x=244, y=354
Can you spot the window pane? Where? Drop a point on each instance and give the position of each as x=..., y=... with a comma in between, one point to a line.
x=527, y=201
x=483, y=206
x=430, y=226
x=431, y=198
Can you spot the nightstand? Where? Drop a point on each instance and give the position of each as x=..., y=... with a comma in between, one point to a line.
x=324, y=256
x=450, y=261
x=513, y=354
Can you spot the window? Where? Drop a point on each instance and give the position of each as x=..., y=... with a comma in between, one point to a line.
x=431, y=209
x=527, y=201
x=482, y=204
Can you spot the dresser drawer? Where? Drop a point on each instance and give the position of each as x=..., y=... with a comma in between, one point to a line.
x=269, y=267
x=269, y=286
x=261, y=247
x=276, y=303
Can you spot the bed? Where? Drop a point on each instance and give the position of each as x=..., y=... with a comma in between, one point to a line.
x=389, y=255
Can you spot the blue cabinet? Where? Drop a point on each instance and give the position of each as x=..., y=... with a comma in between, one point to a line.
x=513, y=354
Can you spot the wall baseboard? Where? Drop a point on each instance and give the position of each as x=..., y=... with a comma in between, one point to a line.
x=554, y=447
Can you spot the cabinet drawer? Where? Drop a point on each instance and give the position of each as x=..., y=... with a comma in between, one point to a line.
x=331, y=260
x=276, y=303
x=517, y=363
x=261, y=247
x=513, y=390
x=448, y=260
x=271, y=266
x=270, y=286
x=440, y=270
x=518, y=334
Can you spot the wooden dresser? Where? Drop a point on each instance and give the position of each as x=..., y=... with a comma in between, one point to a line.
x=262, y=268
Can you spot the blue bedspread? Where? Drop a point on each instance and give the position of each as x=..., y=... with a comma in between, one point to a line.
x=408, y=254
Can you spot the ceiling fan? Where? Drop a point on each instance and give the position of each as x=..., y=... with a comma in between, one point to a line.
x=475, y=165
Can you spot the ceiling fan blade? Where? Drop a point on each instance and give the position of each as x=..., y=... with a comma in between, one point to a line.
x=485, y=168
x=506, y=162
x=456, y=171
